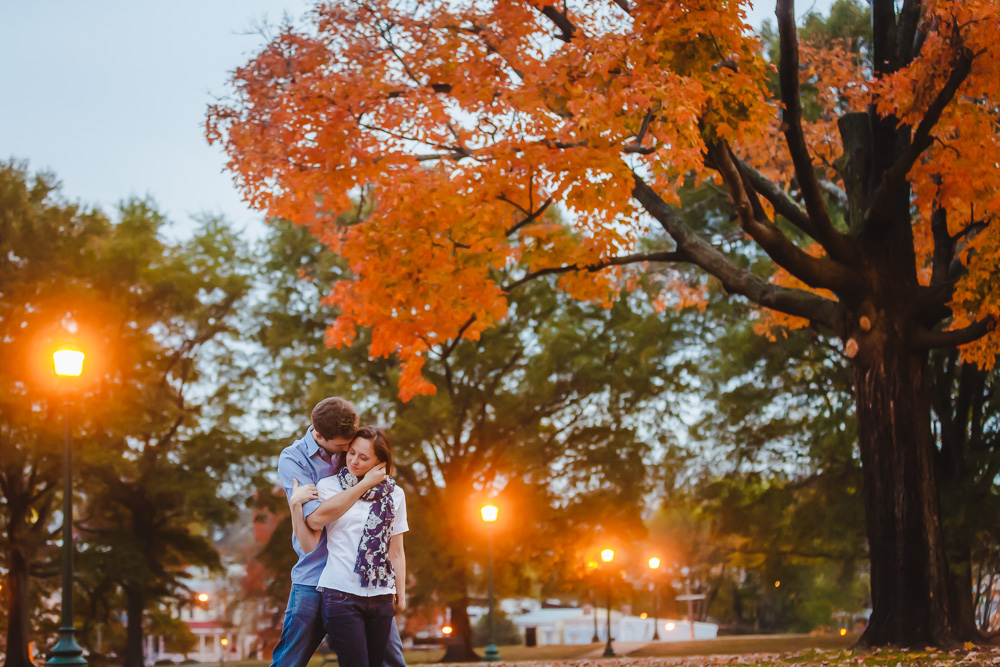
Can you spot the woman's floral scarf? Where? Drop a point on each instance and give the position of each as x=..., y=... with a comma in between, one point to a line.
x=373, y=553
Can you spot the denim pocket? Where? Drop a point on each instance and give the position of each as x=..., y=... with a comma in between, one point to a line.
x=332, y=596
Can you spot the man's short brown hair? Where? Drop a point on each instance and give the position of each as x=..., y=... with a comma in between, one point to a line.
x=335, y=417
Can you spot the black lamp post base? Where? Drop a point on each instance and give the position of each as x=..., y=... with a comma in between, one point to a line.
x=491, y=654
x=66, y=651
x=608, y=651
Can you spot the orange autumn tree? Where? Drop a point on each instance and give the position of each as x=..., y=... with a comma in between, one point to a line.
x=458, y=127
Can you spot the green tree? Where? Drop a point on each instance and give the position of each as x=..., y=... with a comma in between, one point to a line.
x=156, y=435
x=48, y=259
x=544, y=413
x=168, y=461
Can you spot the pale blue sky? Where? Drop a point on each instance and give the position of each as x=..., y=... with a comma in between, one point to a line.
x=111, y=95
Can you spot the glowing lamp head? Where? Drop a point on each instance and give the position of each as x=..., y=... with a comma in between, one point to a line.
x=654, y=563
x=669, y=627
x=224, y=641
x=843, y=631
x=592, y=564
x=446, y=630
x=608, y=555
x=68, y=363
x=489, y=513
x=203, y=597
x=643, y=615
x=777, y=584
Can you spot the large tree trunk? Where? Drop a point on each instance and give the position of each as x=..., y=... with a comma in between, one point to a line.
x=135, y=605
x=17, y=606
x=960, y=599
x=459, y=647
x=908, y=566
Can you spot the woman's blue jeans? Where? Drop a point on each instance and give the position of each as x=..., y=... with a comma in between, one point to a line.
x=357, y=627
x=302, y=631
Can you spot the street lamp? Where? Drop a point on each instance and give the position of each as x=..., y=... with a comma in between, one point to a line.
x=654, y=565
x=68, y=363
x=489, y=513
x=607, y=556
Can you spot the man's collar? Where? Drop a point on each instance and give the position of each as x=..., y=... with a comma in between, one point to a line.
x=312, y=448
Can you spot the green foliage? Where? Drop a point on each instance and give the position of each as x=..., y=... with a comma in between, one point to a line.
x=157, y=439
x=505, y=632
x=548, y=414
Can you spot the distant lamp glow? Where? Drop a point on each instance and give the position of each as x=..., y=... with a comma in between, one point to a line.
x=777, y=584
x=489, y=513
x=608, y=555
x=843, y=631
x=592, y=564
x=203, y=597
x=654, y=563
x=446, y=630
x=68, y=362
x=669, y=627
x=643, y=615
x=224, y=641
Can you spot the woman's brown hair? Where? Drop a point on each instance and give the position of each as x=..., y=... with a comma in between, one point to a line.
x=379, y=445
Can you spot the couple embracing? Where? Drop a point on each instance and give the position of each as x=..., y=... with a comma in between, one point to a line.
x=348, y=520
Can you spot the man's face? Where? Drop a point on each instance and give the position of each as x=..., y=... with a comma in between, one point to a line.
x=332, y=445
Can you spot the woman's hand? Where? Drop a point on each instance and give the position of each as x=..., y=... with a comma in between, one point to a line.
x=399, y=604
x=302, y=494
x=374, y=477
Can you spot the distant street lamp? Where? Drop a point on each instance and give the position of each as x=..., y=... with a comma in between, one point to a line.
x=607, y=556
x=203, y=598
x=489, y=513
x=654, y=565
x=68, y=364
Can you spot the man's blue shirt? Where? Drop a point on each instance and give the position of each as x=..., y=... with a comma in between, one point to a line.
x=307, y=462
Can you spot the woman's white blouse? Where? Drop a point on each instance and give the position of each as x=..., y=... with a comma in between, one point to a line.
x=343, y=537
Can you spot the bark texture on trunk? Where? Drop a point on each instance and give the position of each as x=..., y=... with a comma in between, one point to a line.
x=908, y=565
x=17, y=606
x=135, y=602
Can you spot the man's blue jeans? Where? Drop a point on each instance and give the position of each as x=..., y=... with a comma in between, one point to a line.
x=302, y=631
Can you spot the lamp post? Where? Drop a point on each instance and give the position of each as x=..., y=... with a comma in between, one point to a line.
x=593, y=596
x=607, y=556
x=489, y=513
x=654, y=565
x=68, y=364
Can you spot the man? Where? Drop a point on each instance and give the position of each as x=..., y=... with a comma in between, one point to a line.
x=306, y=461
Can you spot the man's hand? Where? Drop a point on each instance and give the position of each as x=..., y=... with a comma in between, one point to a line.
x=302, y=494
x=399, y=604
x=374, y=477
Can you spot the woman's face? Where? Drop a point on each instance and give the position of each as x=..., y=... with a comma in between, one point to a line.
x=360, y=457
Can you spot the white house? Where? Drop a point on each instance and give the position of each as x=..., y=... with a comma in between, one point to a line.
x=577, y=626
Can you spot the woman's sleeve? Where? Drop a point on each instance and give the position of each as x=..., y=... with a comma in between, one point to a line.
x=399, y=524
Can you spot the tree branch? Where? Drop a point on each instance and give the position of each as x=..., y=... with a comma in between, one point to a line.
x=813, y=271
x=836, y=244
x=927, y=339
x=666, y=256
x=700, y=252
x=783, y=204
x=531, y=216
x=909, y=19
x=922, y=138
x=561, y=21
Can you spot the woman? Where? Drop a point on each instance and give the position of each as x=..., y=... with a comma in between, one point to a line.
x=364, y=581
